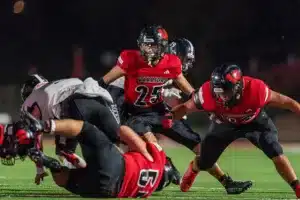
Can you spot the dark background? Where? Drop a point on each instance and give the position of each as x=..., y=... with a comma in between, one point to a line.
x=45, y=34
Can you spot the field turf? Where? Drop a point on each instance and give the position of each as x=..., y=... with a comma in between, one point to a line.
x=240, y=162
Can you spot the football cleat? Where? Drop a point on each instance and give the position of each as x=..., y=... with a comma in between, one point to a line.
x=236, y=187
x=72, y=160
x=297, y=191
x=188, y=178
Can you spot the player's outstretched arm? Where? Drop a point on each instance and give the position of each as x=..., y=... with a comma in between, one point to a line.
x=134, y=142
x=184, y=109
x=282, y=101
x=63, y=127
x=115, y=73
x=184, y=85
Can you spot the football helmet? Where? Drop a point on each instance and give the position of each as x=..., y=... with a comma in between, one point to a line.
x=184, y=49
x=153, y=43
x=15, y=141
x=30, y=84
x=227, y=84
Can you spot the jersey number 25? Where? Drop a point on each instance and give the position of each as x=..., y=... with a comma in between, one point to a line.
x=144, y=91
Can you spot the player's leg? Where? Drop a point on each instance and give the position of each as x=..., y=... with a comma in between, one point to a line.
x=105, y=168
x=97, y=112
x=213, y=145
x=183, y=134
x=65, y=150
x=103, y=157
x=117, y=94
x=263, y=134
x=88, y=109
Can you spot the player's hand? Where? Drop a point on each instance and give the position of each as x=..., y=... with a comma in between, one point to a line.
x=40, y=177
x=167, y=121
x=172, y=93
x=34, y=124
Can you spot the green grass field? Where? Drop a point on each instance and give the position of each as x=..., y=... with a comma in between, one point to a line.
x=17, y=182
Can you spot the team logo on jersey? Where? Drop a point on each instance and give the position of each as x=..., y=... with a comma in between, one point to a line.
x=234, y=76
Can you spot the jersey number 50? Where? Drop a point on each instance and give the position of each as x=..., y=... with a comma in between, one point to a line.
x=146, y=178
x=144, y=91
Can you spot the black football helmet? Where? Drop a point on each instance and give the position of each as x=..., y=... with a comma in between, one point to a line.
x=153, y=43
x=227, y=84
x=10, y=147
x=167, y=178
x=184, y=49
x=29, y=85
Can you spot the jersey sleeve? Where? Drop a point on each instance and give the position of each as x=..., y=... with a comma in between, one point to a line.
x=264, y=93
x=176, y=66
x=202, y=98
x=123, y=61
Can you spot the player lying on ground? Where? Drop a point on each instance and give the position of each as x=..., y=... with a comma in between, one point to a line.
x=146, y=71
x=236, y=104
x=108, y=173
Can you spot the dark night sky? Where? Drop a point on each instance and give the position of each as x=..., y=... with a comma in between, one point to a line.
x=222, y=31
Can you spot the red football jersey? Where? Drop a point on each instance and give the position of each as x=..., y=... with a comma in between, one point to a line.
x=143, y=83
x=256, y=94
x=142, y=177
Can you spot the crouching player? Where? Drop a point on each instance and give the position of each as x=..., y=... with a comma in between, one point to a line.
x=104, y=176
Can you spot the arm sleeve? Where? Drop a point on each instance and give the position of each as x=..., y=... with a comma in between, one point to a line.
x=198, y=99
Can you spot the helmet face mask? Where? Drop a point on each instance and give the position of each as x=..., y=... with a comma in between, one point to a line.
x=150, y=51
x=187, y=63
x=152, y=43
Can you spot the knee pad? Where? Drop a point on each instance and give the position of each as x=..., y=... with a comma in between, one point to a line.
x=273, y=150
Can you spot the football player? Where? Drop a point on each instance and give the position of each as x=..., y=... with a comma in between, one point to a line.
x=236, y=104
x=68, y=98
x=108, y=173
x=146, y=71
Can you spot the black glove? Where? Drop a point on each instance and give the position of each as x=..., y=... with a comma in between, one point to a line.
x=34, y=124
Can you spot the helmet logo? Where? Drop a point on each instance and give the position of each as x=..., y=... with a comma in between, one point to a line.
x=234, y=76
x=163, y=33
x=148, y=40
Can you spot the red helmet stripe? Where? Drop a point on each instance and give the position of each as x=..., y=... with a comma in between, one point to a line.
x=163, y=33
x=234, y=76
